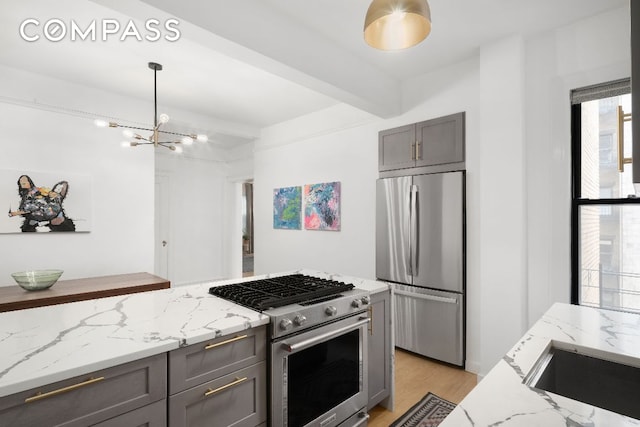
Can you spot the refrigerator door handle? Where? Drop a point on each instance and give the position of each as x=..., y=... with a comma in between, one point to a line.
x=415, y=250
x=426, y=297
x=407, y=231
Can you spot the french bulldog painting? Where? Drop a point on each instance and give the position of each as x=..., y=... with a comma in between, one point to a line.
x=42, y=206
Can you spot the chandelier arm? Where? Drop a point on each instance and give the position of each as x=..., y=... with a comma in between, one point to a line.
x=175, y=133
x=133, y=127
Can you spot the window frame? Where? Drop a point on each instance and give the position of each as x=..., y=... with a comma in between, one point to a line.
x=576, y=180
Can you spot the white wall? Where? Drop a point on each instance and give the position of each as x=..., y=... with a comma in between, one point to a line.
x=348, y=155
x=517, y=142
x=502, y=211
x=35, y=138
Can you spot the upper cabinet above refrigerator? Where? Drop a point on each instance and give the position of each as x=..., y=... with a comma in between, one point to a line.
x=430, y=143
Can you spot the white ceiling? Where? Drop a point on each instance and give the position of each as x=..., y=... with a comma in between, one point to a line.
x=242, y=65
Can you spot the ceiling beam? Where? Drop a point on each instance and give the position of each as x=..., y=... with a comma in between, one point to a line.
x=254, y=33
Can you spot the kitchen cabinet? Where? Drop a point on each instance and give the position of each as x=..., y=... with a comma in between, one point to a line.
x=90, y=399
x=379, y=348
x=154, y=415
x=220, y=383
x=433, y=142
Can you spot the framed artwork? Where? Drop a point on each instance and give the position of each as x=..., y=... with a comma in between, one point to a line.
x=287, y=204
x=322, y=206
x=45, y=202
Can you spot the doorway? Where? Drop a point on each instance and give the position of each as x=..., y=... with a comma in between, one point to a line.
x=247, y=229
x=161, y=225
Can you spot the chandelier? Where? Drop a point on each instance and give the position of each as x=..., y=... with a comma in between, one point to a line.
x=175, y=139
x=397, y=24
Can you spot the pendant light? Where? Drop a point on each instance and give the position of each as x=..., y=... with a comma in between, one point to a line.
x=178, y=139
x=397, y=24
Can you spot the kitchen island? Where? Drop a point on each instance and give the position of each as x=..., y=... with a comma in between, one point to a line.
x=502, y=397
x=50, y=344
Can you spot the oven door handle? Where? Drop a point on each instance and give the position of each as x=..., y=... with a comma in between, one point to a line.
x=324, y=337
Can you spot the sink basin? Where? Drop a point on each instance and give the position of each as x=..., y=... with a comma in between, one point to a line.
x=606, y=380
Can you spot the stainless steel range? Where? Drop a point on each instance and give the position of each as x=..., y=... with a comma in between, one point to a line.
x=318, y=341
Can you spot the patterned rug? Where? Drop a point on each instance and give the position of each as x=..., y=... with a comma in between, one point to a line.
x=429, y=412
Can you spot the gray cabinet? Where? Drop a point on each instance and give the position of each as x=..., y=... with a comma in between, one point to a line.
x=429, y=143
x=379, y=348
x=89, y=399
x=219, y=383
x=154, y=415
x=237, y=399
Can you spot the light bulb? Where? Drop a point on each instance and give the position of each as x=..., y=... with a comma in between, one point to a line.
x=164, y=118
x=128, y=144
x=202, y=138
x=186, y=140
x=128, y=133
x=177, y=149
x=100, y=123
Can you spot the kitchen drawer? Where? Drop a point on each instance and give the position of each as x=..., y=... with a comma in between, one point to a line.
x=88, y=399
x=197, y=363
x=235, y=400
x=154, y=415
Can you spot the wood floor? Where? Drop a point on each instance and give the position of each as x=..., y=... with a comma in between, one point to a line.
x=415, y=376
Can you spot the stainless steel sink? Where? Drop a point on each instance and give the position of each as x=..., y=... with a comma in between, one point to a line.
x=606, y=380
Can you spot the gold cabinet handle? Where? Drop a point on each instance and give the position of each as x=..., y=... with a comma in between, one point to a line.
x=209, y=392
x=418, y=150
x=40, y=396
x=413, y=151
x=237, y=338
x=622, y=117
x=370, y=310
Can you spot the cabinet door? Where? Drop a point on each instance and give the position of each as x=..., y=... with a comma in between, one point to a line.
x=91, y=398
x=441, y=140
x=238, y=400
x=379, y=348
x=154, y=415
x=396, y=148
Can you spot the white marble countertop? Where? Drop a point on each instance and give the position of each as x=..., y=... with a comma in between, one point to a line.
x=502, y=398
x=42, y=345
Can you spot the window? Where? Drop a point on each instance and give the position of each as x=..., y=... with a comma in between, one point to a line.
x=605, y=213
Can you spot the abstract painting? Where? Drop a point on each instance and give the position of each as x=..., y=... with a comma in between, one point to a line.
x=45, y=202
x=322, y=206
x=287, y=203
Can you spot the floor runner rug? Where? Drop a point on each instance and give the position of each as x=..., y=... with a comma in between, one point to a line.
x=428, y=412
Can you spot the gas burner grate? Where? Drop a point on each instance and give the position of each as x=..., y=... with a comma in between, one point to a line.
x=279, y=291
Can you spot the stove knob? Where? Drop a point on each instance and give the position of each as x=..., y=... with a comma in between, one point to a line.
x=366, y=300
x=331, y=311
x=300, y=320
x=285, y=324
x=356, y=303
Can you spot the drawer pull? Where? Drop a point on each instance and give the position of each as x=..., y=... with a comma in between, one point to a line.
x=40, y=396
x=237, y=338
x=209, y=392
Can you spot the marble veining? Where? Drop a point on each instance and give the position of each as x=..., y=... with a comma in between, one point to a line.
x=503, y=399
x=47, y=344
x=42, y=345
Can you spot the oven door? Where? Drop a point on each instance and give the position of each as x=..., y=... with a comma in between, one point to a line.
x=319, y=377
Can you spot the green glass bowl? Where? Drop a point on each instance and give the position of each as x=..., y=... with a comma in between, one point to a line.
x=36, y=280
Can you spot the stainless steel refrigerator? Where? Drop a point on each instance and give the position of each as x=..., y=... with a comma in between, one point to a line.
x=420, y=246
